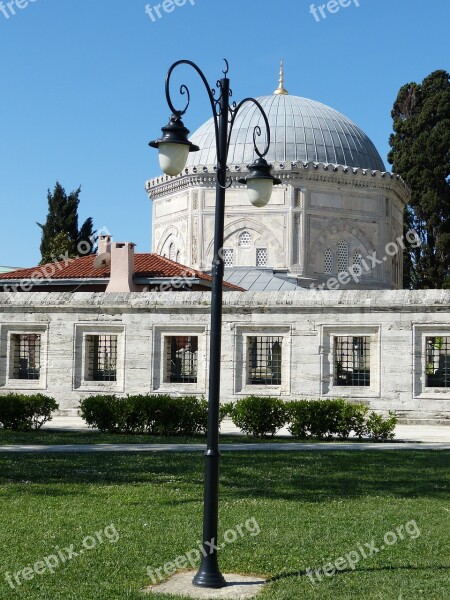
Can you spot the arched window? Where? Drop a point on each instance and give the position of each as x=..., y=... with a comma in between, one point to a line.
x=357, y=263
x=245, y=239
x=328, y=262
x=396, y=270
x=172, y=251
x=178, y=259
x=228, y=258
x=342, y=257
x=261, y=257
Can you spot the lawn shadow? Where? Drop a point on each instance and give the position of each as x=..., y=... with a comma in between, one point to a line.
x=301, y=476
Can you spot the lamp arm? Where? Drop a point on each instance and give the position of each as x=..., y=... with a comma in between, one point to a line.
x=257, y=130
x=185, y=90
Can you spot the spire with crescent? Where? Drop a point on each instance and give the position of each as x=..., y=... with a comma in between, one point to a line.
x=281, y=89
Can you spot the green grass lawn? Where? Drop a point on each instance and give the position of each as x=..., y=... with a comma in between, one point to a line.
x=311, y=508
x=53, y=437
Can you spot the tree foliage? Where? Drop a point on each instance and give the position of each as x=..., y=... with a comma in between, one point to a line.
x=60, y=233
x=420, y=153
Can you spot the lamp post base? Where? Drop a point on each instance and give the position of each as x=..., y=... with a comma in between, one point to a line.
x=209, y=580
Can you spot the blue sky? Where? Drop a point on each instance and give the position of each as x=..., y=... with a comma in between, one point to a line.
x=82, y=89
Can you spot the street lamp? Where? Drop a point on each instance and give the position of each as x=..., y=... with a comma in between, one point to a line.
x=174, y=148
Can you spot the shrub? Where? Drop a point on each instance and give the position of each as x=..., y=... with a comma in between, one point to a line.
x=259, y=416
x=325, y=418
x=379, y=428
x=101, y=412
x=351, y=417
x=186, y=415
x=226, y=410
x=20, y=412
x=299, y=415
x=156, y=415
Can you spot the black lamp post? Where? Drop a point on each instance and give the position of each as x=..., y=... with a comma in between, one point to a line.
x=174, y=148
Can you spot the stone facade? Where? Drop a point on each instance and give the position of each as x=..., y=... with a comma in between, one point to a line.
x=395, y=326
x=321, y=221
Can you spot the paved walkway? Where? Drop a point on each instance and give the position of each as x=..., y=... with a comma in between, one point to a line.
x=408, y=437
x=404, y=433
x=273, y=447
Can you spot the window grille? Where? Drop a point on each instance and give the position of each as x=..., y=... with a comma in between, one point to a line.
x=172, y=252
x=181, y=359
x=261, y=257
x=342, y=258
x=357, y=263
x=228, y=257
x=26, y=356
x=245, y=239
x=264, y=360
x=352, y=361
x=328, y=262
x=102, y=357
x=438, y=362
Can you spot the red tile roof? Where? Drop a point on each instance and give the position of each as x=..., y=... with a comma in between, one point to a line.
x=145, y=265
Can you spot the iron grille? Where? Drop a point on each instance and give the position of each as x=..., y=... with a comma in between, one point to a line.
x=352, y=361
x=328, y=262
x=228, y=257
x=245, y=239
x=261, y=257
x=182, y=359
x=264, y=360
x=102, y=357
x=27, y=356
x=438, y=362
x=342, y=257
x=357, y=263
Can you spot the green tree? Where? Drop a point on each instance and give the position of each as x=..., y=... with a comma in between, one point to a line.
x=420, y=153
x=60, y=233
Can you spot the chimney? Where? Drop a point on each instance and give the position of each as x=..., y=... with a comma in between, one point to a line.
x=122, y=267
x=103, y=244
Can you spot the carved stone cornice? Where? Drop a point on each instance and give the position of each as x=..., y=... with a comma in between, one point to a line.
x=205, y=176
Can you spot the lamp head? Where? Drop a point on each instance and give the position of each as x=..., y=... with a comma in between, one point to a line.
x=174, y=146
x=260, y=182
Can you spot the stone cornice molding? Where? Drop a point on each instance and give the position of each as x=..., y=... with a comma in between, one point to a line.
x=204, y=176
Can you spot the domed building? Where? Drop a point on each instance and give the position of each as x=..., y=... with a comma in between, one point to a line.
x=336, y=209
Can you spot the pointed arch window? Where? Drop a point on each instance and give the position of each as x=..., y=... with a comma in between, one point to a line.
x=342, y=257
x=245, y=239
x=357, y=263
x=172, y=251
x=178, y=259
x=328, y=260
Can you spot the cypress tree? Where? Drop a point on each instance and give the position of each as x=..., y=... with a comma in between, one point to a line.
x=60, y=233
x=420, y=153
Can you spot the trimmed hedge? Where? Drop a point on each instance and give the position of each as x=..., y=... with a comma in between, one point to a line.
x=321, y=419
x=259, y=416
x=20, y=412
x=379, y=428
x=156, y=415
x=256, y=416
x=326, y=418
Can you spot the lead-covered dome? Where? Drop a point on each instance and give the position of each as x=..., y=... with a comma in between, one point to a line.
x=301, y=130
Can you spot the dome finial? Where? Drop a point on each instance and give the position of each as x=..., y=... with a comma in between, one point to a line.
x=281, y=89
